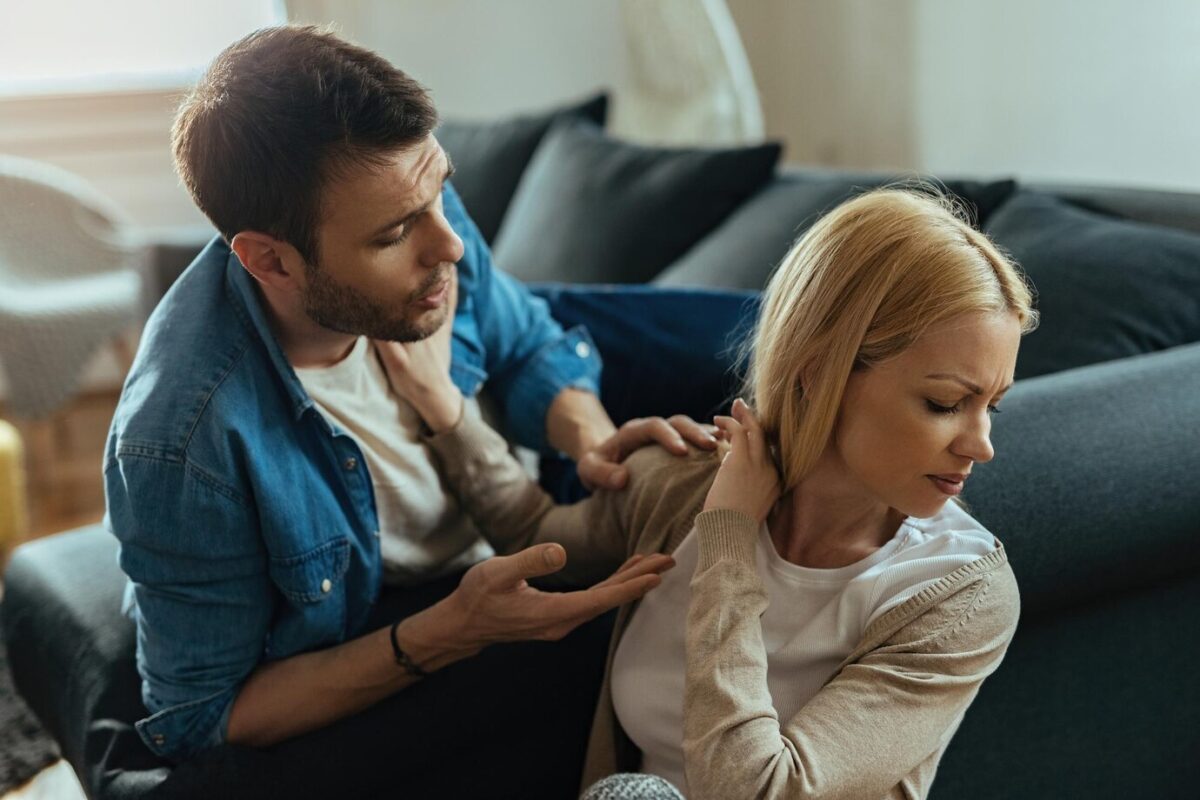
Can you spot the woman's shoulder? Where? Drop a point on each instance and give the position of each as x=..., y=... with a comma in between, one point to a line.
x=665, y=491
x=654, y=467
x=976, y=606
x=957, y=528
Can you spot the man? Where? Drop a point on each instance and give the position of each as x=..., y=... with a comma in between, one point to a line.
x=263, y=480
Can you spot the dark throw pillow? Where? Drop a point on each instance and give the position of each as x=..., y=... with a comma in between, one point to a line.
x=489, y=157
x=1107, y=288
x=744, y=250
x=591, y=209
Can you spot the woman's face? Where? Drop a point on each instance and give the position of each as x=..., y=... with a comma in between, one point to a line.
x=927, y=412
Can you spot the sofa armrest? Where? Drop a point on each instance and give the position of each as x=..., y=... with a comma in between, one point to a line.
x=1093, y=488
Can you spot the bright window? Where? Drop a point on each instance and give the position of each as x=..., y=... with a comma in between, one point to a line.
x=114, y=45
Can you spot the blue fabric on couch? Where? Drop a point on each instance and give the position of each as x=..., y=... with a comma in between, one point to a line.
x=665, y=351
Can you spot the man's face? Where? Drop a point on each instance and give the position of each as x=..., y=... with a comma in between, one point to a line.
x=919, y=415
x=386, y=254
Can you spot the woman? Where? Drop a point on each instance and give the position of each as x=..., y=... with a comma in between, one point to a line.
x=831, y=616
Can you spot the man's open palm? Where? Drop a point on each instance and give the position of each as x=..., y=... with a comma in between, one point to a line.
x=497, y=604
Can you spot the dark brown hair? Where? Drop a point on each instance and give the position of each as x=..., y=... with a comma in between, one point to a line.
x=280, y=112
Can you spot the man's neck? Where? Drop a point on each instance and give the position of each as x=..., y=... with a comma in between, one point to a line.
x=305, y=343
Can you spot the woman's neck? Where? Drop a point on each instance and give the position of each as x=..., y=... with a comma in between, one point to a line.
x=826, y=522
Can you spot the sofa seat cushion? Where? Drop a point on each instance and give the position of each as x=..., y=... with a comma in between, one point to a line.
x=1106, y=288
x=72, y=655
x=591, y=209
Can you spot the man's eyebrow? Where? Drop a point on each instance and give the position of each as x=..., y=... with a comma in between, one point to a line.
x=417, y=211
x=974, y=389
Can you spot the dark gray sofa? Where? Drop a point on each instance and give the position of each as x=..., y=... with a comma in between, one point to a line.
x=1093, y=491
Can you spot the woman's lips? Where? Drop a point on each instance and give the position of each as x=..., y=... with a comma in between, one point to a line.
x=951, y=488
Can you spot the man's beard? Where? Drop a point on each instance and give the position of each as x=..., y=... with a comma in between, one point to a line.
x=345, y=309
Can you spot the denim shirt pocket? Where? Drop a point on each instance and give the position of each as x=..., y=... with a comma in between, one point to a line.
x=313, y=586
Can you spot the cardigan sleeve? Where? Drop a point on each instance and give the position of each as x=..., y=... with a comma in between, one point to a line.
x=513, y=512
x=868, y=728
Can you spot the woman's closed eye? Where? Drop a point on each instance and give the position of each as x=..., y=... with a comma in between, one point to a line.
x=954, y=409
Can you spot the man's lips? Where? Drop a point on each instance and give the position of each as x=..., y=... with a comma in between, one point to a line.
x=435, y=296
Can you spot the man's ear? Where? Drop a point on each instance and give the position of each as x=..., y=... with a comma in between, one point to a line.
x=269, y=261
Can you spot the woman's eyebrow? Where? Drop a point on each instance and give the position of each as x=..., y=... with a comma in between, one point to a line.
x=974, y=389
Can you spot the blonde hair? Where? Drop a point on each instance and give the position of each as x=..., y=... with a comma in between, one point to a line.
x=857, y=289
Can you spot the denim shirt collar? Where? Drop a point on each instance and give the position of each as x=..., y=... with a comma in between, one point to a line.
x=248, y=304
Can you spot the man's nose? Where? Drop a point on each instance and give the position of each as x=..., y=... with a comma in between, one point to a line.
x=443, y=244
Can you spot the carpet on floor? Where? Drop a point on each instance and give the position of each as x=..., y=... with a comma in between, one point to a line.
x=25, y=747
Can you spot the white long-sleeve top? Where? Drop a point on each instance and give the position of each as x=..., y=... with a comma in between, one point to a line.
x=814, y=620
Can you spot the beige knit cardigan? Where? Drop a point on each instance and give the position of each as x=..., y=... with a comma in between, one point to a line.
x=877, y=728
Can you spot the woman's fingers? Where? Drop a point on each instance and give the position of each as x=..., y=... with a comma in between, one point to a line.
x=754, y=432
x=735, y=433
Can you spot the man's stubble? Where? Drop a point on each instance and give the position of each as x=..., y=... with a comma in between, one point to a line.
x=347, y=310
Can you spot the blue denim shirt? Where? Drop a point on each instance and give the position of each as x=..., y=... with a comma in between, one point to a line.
x=247, y=523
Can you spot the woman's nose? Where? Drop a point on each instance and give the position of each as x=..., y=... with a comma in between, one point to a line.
x=976, y=442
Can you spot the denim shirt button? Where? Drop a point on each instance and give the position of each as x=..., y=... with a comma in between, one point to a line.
x=582, y=350
x=326, y=585
x=350, y=463
x=158, y=738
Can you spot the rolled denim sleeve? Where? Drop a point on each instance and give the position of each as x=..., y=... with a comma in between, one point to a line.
x=200, y=597
x=528, y=356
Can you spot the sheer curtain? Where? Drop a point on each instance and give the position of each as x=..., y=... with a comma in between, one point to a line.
x=690, y=81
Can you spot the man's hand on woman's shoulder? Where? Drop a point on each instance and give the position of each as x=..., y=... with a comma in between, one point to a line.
x=602, y=467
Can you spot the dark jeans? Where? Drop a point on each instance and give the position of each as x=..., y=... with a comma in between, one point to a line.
x=511, y=722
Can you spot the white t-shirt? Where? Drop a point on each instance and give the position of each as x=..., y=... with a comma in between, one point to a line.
x=423, y=532
x=814, y=620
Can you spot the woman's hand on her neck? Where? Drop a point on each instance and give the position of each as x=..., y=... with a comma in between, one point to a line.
x=747, y=480
x=420, y=372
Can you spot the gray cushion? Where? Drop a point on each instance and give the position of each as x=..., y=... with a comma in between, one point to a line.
x=489, y=157
x=1107, y=288
x=742, y=252
x=591, y=209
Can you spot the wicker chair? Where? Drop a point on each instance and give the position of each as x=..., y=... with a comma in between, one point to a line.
x=70, y=282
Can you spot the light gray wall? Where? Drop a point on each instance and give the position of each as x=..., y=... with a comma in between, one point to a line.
x=484, y=59
x=1096, y=91
x=1089, y=91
